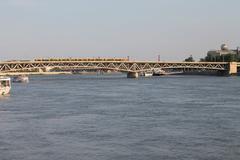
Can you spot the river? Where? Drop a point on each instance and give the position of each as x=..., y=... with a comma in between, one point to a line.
x=110, y=117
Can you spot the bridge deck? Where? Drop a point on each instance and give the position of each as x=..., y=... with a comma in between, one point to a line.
x=161, y=62
x=122, y=66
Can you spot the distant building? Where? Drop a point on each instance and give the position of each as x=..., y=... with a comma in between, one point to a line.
x=224, y=51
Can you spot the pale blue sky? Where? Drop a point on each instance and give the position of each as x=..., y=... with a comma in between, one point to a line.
x=141, y=29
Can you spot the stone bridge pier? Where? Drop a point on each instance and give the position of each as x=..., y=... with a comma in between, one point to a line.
x=233, y=68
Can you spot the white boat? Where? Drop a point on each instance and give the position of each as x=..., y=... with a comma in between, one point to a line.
x=21, y=79
x=148, y=74
x=5, y=85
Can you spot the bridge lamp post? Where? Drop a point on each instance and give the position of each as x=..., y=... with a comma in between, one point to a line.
x=159, y=58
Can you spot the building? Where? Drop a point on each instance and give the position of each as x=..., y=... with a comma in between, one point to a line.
x=224, y=51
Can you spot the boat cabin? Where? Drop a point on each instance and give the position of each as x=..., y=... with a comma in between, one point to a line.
x=5, y=85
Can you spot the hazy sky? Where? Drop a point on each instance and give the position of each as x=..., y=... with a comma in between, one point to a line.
x=141, y=29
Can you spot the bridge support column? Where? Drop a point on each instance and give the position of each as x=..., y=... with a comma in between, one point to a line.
x=232, y=68
x=132, y=75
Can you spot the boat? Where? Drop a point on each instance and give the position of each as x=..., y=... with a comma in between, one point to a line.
x=5, y=85
x=147, y=74
x=164, y=73
x=159, y=73
x=21, y=79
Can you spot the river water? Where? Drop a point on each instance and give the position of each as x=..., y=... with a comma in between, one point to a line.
x=95, y=117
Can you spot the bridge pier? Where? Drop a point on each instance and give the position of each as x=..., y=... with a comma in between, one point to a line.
x=132, y=75
x=232, y=68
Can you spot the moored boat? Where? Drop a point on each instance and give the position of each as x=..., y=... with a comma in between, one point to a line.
x=5, y=85
x=21, y=79
x=148, y=74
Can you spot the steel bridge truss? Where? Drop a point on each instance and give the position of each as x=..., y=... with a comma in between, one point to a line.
x=128, y=66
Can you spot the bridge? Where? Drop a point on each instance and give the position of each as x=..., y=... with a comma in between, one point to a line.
x=132, y=68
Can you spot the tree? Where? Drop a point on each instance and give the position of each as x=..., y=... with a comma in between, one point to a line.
x=202, y=60
x=189, y=59
x=230, y=58
x=222, y=58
